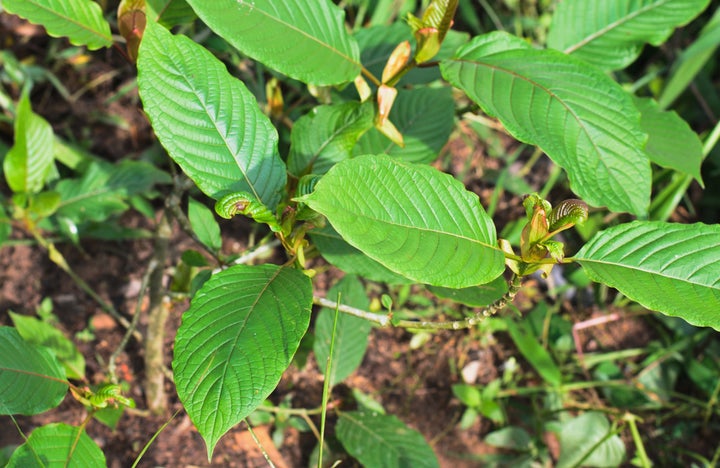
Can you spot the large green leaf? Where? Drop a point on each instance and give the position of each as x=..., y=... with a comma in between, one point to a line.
x=425, y=117
x=671, y=143
x=611, y=33
x=207, y=120
x=671, y=268
x=383, y=440
x=41, y=333
x=339, y=253
x=58, y=446
x=304, y=40
x=327, y=135
x=582, y=444
x=28, y=163
x=412, y=218
x=81, y=21
x=238, y=337
x=31, y=378
x=581, y=118
x=351, y=333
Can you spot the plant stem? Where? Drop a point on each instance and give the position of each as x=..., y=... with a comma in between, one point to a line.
x=133, y=325
x=639, y=446
x=385, y=320
x=157, y=316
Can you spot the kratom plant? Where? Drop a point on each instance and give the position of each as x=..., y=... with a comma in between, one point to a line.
x=355, y=185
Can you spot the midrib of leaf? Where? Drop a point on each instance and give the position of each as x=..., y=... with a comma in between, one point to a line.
x=70, y=20
x=613, y=25
x=661, y=271
x=33, y=374
x=372, y=433
x=435, y=231
x=87, y=195
x=554, y=96
x=329, y=139
x=298, y=30
x=252, y=309
x=214, y=121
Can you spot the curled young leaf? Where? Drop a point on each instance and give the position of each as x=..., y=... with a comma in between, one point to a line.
x=245, y=204
x=567, y=214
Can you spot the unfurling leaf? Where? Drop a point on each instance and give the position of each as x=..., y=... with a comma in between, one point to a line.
x=245, y=204
x=397, y=61
x=131, y=23
x=567, y=214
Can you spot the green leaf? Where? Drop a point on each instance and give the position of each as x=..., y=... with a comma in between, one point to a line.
x=475, y=296
x=81, y=21
x=383, y=440
x=579, y=439
x=236, y=339
x=671, y=142
x=56, y=446
x=351, y=333
x=425, y=117
x=611, y=33
x=511, y=438
x=203, y=223
x=31, y=379
x=104, y=188
x=172, y=12
x=670, y=268
x=583, y=120
x=413, y=219
x=304, y=40
x=41, y=333
x=527, y=343
x=30, y=160
x=5, y=226
x=344, y=256
x=327, y=136
x=691, y=61
x=208, y=121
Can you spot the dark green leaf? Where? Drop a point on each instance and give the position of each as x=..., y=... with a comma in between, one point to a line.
x=671, y=268
x=31, y=379
x=238, y=337
x=474, y=296
x=81, y=21
x=383, y=440
x=528, y=344
x=413, y=219
x=304, y=40
x=611, y=33
x=58, y=445
x=207, y=120
x=582, y=119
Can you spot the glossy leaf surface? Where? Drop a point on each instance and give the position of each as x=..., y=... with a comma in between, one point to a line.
x=583, y=120
x=351, y=333
x=304, y=40
x=236, y=339
x=207, y=120
x=413, y=219
x=383, y=440
x=58, y=445
x=81, y=21
x=31, y=379
x=611, y=33
x=670, y=268
x=172, y=12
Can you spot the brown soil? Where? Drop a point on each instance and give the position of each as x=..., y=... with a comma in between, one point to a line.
x=414, y=385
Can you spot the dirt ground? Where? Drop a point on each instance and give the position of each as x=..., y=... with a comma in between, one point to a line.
x=414, y=385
